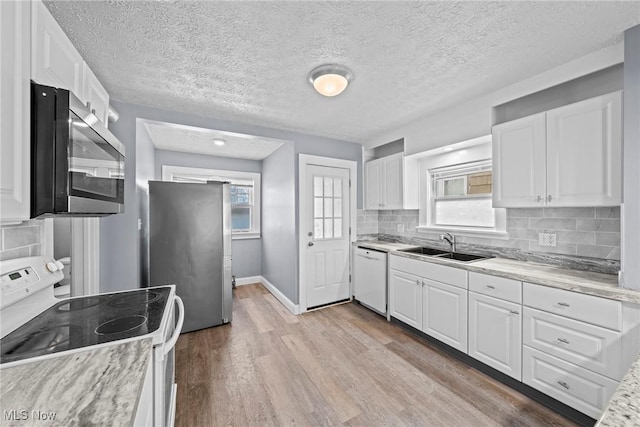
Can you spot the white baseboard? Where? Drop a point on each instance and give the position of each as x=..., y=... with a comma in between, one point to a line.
x=248, y=280
x=289, y=305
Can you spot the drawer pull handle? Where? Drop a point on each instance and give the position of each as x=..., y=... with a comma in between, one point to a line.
x=563, y=304
x=491, y=287
x=514, y=312
x=563, y=340
x=564, y=384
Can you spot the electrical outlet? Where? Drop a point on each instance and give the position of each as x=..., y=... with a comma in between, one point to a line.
x=400, y=228
x=547, y=239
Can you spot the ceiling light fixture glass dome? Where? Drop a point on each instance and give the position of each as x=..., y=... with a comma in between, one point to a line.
x=330, y=79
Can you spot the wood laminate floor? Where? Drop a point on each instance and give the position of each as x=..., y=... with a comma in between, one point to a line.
x=343, y=365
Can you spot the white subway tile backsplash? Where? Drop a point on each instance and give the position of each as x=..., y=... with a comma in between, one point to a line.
x=552, y=223
x=581, y=237
x=569, y=212
x=592, y=232
x=606, y=224
x=608, y=239
x=611, y=212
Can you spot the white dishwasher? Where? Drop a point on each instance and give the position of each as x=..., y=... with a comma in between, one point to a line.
x=370, y=285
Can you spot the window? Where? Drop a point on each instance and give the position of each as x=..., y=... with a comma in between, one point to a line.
x=245, y=195
x=458, y=198
x=462, y=196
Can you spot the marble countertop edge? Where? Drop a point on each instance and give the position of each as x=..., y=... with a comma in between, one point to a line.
x=596, y=284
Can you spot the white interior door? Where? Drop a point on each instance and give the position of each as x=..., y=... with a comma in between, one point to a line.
x=326, y=228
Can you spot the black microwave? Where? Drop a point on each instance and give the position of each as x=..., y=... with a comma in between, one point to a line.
x=77, y=165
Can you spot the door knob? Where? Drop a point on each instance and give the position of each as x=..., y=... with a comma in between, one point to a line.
x=310, y=244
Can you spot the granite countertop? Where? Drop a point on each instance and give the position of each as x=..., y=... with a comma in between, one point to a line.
x=597, y=284
x=624, y=407
x=93, y=387
x=382, y=246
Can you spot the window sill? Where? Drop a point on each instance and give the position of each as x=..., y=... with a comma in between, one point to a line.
x=458, y=231
x=245, y=236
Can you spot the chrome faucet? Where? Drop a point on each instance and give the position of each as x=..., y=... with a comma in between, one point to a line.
x=449, y=238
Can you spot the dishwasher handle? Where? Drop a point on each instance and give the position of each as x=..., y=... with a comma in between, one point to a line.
x=368, y=257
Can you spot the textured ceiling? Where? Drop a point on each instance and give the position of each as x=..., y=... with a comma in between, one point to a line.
x=167, y=136
x=248, y=61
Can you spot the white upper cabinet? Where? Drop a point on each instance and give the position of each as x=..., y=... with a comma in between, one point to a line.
x=568, y=156
x=519, y=177
x=95, y=94
x=391, y=183
x=56, y=62
x=372, y=183
x=584, y=153
x=15, y=40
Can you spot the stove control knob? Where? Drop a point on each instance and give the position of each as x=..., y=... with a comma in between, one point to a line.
x=60, y=265
x=52, y=267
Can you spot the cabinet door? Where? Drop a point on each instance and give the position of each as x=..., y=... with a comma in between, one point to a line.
x=372, y=182
x=95, y=93
x=392, y=182
x=584, y=153
x=405, y=298
x=519, y=158
x=445, y=313
x=495, y=333
x=15, y=110
x=55, y=61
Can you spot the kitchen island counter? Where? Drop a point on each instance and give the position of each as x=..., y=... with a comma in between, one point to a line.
x=624, y=406
x=99, y=386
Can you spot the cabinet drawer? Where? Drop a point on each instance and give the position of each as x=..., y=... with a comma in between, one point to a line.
x=597, y=311
x=440, y=273
x=579, y=388
x=498, y=287
x=591, y=347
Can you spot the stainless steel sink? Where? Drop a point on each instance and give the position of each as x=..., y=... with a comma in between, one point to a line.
x=457, y=256
x=424, y=251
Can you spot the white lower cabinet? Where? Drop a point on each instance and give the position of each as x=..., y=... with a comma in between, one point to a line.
x=438, y=309
x=495, y=333
x=445, y=313
x=405, y=298
x=579, y=388
x=585, y=345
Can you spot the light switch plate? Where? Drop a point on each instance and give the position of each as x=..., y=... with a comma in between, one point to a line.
x=547, y=239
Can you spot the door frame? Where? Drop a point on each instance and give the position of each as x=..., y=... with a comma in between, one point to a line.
x=305, y=160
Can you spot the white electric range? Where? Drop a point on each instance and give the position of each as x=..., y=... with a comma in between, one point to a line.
x=35, y=325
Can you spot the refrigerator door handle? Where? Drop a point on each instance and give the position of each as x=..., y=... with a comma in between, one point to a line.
x=168, y=346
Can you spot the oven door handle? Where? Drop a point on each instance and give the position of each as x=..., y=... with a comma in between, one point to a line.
x=168, y=346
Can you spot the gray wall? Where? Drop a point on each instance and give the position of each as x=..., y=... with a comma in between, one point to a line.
x=631, y=177
x=145, y=171
x=247, y=253
x=589, y=86
x=119, y=240
x=279, y=244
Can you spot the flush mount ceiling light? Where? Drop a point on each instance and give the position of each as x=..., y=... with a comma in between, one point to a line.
x=330, y=79
x=219, y=142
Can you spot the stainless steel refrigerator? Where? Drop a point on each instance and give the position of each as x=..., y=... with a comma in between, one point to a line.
x=190, y=246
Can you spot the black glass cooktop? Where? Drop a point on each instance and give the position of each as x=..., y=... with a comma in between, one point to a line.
x=87, y=321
